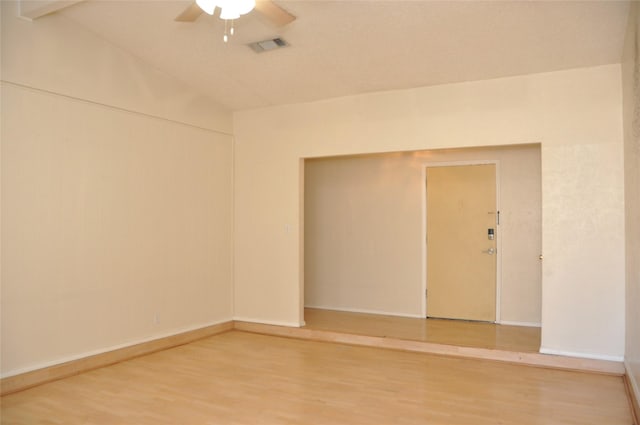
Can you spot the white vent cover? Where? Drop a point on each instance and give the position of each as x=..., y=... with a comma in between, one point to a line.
x=266, y=45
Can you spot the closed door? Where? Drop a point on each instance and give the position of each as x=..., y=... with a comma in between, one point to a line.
x=461, y=253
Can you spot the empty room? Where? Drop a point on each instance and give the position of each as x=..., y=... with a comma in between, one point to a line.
x=319, y=212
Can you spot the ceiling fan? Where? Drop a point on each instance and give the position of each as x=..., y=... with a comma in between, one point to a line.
x=233, y=9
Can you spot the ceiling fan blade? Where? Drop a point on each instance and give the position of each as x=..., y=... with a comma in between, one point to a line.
x=190, y=14
x=277, y=15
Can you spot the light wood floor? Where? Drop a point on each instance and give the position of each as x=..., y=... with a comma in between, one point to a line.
x=439, y=331
x=244, y=378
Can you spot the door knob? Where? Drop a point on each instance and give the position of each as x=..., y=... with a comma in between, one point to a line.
x=490, y=251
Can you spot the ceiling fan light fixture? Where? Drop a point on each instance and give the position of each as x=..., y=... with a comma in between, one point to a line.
x=228, y=14
x=232, y=9
x=209, y=6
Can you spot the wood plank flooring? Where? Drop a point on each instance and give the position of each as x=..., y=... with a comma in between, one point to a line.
x=244, y=378
x=438, y=331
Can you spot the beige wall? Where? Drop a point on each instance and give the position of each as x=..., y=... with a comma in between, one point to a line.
x=116, y=198
x=631, y=96
x=364, y=230
x=575, y=115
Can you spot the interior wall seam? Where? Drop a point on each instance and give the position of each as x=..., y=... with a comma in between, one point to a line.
x=112, y=107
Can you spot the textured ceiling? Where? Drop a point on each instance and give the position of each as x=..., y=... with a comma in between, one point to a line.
x=341, y=48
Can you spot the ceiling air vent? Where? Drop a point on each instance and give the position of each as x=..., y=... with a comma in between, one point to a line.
x=266, y=45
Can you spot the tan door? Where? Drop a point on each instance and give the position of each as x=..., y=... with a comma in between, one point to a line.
x=461, y=257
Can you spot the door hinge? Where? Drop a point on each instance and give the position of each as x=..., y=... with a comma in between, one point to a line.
x=498, y=218
x=426, y=292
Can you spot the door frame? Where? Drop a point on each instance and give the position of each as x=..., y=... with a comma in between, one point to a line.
x=424, y=229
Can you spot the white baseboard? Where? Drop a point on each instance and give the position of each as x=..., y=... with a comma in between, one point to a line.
x=527, y=324
x=554, y=352
x=366, y=311
x=635, y=385
x=103, y=350
x=269, y=322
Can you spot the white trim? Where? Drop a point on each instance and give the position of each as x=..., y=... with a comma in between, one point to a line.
x=635, y=385
x=301, y=229
x=366, y=311
x=424, y=229
x=499, y=245
x=423, y=244
x=528, y=324
x=269, y=322
x=103, y=350
x=554, y=352
x=232, y=260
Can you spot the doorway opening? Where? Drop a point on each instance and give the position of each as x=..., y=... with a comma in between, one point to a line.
x=365, y=250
